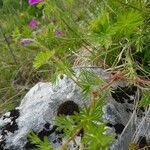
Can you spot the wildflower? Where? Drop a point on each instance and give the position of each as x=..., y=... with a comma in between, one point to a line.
x=59, y=33
x=33, y=2
x=26, y=41
x=32, y=23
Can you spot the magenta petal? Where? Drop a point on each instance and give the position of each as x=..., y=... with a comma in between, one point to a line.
x=33, y=2
x=59, y=33
x=32, y=23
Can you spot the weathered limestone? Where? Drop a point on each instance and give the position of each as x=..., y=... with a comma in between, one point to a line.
x=40, y=106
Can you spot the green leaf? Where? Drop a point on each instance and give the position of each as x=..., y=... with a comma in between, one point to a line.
x=127, y=23
x=66, y=124
x=102, y=29
x=89, y=81
x=49, y=7
x=139, y=44
x=146, y=100
x=42, y=145
x=27, y=32
x=95, y=138
x=87, y=117
x=46, y=144
x=16, y=34
x=101, y=24
x=42, y=58
x=65, y=68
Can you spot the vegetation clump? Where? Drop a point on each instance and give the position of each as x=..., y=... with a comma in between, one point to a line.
x=43, y=38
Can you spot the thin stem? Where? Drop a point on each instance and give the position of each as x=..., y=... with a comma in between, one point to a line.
x=76, y=35
x=8, y=46
x=70, y=139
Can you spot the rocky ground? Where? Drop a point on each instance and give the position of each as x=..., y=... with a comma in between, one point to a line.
x=46, y=100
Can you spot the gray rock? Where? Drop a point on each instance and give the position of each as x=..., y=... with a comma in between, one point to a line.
x=40, y=106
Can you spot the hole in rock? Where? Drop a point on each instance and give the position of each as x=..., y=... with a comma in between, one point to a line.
x=68, y=108
x=142, y=142
x=118, y=127
x=123, y=93
x=14, y=113
x=61, y=76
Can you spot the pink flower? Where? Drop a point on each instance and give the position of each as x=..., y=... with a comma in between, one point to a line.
x=26, y=41
x=59, y=33
x=32, y=23
x=33, y=2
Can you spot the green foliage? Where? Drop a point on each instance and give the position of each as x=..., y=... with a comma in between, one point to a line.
x=92, y=115
x=89, y=81
x=66, y=124
x=118, y=24
x=42, y=145
x=95, y=137
x=42, y=58
x=90, y=121
x=124, y=25
x=127, y=23
x=102, y=27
